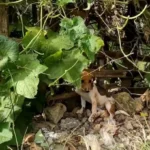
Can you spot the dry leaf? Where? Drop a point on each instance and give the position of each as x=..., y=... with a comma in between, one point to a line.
x=144, y=114
x=92, y=142
x=34, y=146
x=28, y=139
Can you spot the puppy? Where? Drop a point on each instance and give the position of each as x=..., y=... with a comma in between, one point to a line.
x=89, y=93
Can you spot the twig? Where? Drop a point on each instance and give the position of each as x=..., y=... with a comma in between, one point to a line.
x=134, y=17
x=10, y=3
x=24, y=137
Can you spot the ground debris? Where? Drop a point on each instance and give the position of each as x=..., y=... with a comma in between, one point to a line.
x=55, y=113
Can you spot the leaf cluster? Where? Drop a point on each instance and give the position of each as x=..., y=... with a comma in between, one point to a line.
x=47, y=56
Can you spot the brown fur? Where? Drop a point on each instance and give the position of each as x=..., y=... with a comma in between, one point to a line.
x=112, y=109
x=87, y=81
x=146, y=96
x=96, y=99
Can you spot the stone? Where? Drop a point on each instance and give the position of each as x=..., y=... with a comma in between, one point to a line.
x=125, y=102
x=55, y=113
x=69, y=123
x=128, y=125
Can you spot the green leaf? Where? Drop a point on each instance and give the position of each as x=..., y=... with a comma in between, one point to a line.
x=69, y=65
x=8, y=51
x=26, y=77
x=49, y=45
x=141, y=65
x=91, y=44
x=10, y=106
x=5, y=133
x=75, y=28
x=30, y=34
x=64, y=2
x=18, y=135
x=40, y=139
x=144, y=114
x=28, y=86
x=52, y=45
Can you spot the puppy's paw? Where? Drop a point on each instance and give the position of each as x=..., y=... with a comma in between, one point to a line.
x=104, y=114
x=80, y=111
x=93, y=117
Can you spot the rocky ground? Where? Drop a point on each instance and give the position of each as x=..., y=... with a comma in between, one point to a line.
x=70, y=131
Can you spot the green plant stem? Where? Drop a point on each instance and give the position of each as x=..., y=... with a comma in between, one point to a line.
x=35, y=37
x=63, y=12
x=13, y=111
x=17, y=144
x=21, y=19
x=10, y=3
x=22, y=25
x=41, y=16
x=24, y=137
x=134, y=17
x=64, y=73
x=127, y=57
x=121, y=28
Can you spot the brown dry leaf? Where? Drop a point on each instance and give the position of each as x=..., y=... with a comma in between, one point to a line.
x=28, y=139
x=34, y=146
x=146, y=31
x=146, y=96
x=71, y=146
x=143, y=114
x=92, y=142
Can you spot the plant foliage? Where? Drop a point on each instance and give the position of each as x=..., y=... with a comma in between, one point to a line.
x=54, y=55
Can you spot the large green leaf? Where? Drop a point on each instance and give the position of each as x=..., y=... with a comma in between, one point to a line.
x=91, y=44
x=10, y=106
x=9, y=50
x=80, y=34
x=5, y=133
x=28, y=86
x=64, y=2
x=46, y=45
x=26, y=76
x=35, y=35
x=75, y=28
x=68, y=65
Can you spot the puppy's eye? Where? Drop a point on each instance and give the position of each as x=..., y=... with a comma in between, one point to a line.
x=90, y=81
x=82, y=81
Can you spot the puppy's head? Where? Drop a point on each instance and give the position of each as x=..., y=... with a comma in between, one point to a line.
x=146, y=96
x=87, y=80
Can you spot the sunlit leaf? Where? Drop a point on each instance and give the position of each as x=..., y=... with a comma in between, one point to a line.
x=5, y=133
x=9, y=50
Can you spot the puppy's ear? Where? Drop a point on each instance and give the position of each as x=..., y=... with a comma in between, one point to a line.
x=94, y=80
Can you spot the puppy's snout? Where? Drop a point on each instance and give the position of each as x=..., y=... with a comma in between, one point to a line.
x=87, y=89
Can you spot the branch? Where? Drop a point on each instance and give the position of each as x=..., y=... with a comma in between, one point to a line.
x=10, y=3
x=134, y=17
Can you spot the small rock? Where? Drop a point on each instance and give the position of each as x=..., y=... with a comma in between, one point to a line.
x=128, y=125
x=86, y=125
x=135, y=124
x=125, y=102
x=69, y=123
x=88, y=113
x=138, y=134
x=84, y=120
x=55, y=113
x=96, y=128
x=148, y=137
x=120, y=118
x=74, y=111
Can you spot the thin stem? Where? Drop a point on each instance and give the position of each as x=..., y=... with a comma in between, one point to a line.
x=64, y=73
x=13, y=111
x=10, y=3
x=35, y=37
x=134, y=17
x=41, y=16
